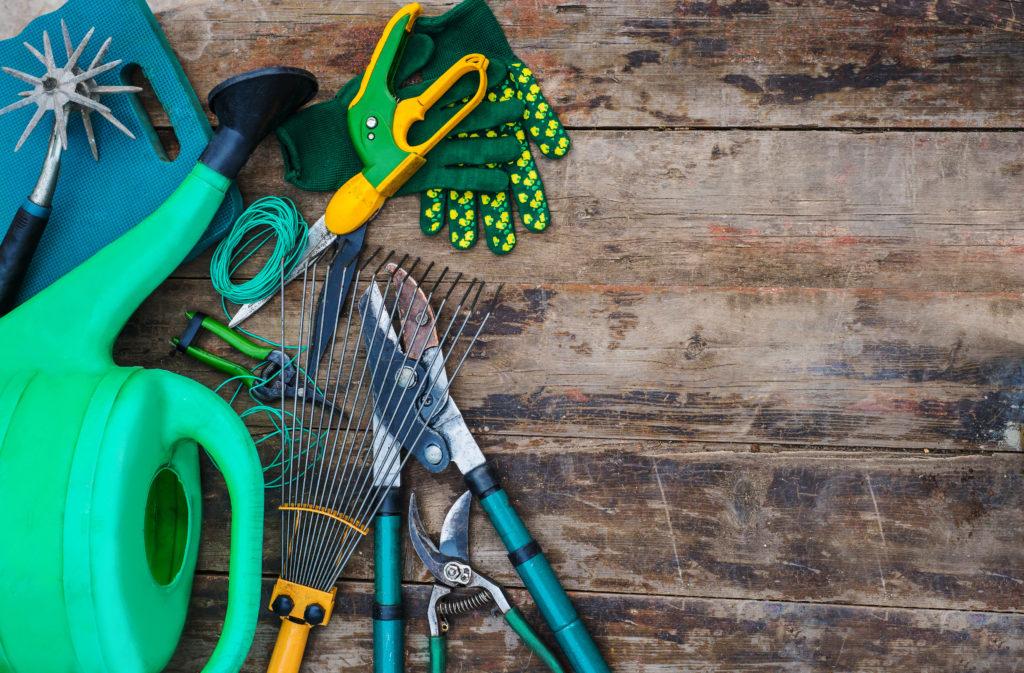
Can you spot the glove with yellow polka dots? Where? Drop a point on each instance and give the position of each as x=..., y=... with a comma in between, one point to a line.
x=472, y=26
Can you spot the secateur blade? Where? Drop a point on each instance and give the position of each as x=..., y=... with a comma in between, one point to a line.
x=429, y=554
x=455, y=530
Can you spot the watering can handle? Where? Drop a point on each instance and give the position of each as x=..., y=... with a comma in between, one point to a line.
x=203, y=416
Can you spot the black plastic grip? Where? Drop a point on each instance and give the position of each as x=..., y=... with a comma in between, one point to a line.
x=16, y=252
x=481, y=481
x=386, y=613
x=391, y=503
x=524, y=553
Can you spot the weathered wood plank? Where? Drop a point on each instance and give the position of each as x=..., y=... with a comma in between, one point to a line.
x=868, y=529
x=906, y=211
x=794, y=366
x=1002, y=14
x=649, y=634
x=668, y=63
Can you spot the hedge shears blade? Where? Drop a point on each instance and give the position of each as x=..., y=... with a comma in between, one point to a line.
x=450, y=566
x=379, y=125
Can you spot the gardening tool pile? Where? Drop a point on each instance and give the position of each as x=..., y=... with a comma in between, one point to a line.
x=358, y=385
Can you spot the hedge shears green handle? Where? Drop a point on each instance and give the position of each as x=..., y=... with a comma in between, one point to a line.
x=388, y=635
x=538, y=576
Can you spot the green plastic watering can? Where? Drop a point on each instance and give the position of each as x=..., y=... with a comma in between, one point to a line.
x=100, y=501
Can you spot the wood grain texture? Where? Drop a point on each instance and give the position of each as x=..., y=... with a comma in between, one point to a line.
x=793, y=366
x=902, y=211
x=691, y=63
x=650, y=634
x=654, y=518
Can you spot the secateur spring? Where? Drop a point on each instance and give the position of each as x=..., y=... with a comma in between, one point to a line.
x=453, y=607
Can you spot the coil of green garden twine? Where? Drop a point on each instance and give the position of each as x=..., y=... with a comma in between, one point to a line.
x=269, y=217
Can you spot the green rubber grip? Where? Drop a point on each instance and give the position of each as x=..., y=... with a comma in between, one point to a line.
x=388, y=636
x=518, y=623
x=233, y=369
x=437, y=654
x=543, y=585
x=235, y=339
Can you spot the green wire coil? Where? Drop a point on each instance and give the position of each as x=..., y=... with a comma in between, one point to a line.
x=269, y=217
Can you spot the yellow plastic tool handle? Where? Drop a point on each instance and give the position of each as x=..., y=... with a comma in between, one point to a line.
x=412, y=110
x=353, y=205
x=412, y=11
x=289, y=648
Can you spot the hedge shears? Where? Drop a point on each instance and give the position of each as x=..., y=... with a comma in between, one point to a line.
x=379, y=125
x=452, y=571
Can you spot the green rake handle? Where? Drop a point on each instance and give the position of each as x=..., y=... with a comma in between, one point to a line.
x=537, y=575
x=388, y=636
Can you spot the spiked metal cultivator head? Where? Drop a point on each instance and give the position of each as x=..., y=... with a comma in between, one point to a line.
x=67, y=88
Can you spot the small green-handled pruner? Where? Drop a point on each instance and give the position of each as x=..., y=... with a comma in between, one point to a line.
x=273, y=378
x=451, y=569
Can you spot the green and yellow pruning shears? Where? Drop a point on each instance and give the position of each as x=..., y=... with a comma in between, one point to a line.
x=451, y=569
x=379, y=124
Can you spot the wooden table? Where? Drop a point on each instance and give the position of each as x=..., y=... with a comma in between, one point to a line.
x=758, y=390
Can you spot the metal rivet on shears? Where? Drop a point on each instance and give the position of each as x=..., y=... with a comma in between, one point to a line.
x=406, y=377
x=456, y=572
x=433, y=454
x=371, y=123
x=370, y=136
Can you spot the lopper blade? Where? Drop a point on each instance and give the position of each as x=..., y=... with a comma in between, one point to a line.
x=376, y=318
x=419, y=324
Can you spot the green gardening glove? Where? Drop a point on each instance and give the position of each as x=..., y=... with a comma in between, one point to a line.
x=319, y=155
x=471, y=25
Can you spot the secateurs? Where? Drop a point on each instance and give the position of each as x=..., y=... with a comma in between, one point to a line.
x=62, y=90
x=273, y=378
x=379, y=124
x=452, y=571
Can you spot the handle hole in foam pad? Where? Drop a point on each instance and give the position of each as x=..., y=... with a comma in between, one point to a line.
x=151, y=113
